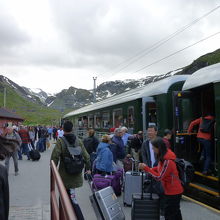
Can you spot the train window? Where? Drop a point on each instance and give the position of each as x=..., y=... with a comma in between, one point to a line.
x=80, y=123
x=131, y=117
x=90, y=121
x=106, y=120
x=151, y=110
x=85, y=122
x=117, y=118
x=97, y=120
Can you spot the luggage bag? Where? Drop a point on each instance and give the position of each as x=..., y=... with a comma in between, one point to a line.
x=106, y=204
x=132, y=184
x=145, y=205
x=34, y=155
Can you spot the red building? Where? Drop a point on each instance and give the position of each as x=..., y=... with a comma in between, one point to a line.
x=8, y=118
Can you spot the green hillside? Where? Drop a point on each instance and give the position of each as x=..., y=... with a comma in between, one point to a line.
x=203, y=61
x=32, y=113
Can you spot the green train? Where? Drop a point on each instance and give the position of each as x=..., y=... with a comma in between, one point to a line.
x=135, y=109
x=199, y=96
x=170, y=103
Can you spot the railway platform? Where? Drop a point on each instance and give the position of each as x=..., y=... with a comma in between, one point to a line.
x=29, y=195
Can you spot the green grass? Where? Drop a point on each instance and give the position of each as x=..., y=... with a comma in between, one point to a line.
x=33, y=114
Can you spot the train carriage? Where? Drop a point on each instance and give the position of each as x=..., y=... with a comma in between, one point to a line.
x=135, y=109
x=200, y=96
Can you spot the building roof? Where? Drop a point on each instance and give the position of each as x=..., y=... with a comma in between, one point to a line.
x=5, y=113
x=151, y=89
x=204, y=76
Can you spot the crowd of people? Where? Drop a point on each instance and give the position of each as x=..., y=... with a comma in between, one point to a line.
x=152, y=155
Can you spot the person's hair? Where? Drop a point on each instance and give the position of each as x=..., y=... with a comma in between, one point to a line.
x=68, y=126
x=106, y=138
x=124, y=129
x=91, y=132
x=153, y=126
x=167, y=131
x=140, y=133
x=117, y=130
x=161, y=146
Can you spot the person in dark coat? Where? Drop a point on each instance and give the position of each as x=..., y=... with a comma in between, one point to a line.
x=147, y=153
x=7, y=147
x=91, y=142
x=118, y=148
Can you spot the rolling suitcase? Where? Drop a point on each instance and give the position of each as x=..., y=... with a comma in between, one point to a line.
x=106, y=204
x=132, y=184
x=145, y=205
x=34, y=154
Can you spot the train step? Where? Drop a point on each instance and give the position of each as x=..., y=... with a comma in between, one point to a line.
x=204, y=194
x=207, y=181
x=206, y=189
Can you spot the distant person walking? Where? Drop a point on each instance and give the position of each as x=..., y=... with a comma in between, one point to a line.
x=25, y=138
x=12, y=134
x=60, y=132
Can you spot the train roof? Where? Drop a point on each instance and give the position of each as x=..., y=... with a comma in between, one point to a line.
x=151, y=89
x=206, y=75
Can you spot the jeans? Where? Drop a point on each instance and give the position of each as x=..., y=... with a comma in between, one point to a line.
x=25, y=150
x=40, y=144
x=15, y=159
x=172, y=207
x=207, y=153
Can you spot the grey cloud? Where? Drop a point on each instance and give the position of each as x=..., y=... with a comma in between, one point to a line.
x=103, y=33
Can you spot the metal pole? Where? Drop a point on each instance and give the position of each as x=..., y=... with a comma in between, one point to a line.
x=4, y=97
x=94, y=89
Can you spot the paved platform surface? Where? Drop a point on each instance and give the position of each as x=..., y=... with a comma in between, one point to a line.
x=29, y=195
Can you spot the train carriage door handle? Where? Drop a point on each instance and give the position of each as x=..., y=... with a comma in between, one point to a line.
x=215, y=152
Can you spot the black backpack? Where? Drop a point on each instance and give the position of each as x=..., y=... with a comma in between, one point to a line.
x=73, y=163
x=185, y=170
x=207, y=125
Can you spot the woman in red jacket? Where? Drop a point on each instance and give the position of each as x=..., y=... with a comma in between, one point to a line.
x=167, y=173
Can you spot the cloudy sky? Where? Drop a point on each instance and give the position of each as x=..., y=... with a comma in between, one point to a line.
x=54, y=44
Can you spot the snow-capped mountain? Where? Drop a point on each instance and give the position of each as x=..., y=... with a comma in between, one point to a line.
x=73, y=98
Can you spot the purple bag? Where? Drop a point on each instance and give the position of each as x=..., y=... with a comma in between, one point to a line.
x=117, y=181
x=101, y=182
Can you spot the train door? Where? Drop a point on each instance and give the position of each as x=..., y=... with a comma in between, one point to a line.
x=217, y=130
x=186, y=108
x=148, y=113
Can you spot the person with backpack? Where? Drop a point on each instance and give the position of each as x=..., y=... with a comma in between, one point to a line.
x=204, y=137
x=166, y=172
x=70, y=153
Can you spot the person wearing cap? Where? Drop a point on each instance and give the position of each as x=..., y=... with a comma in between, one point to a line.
x=7, y=146
x=12, y=134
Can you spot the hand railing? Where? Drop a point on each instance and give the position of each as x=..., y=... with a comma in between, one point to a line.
x=64, y=210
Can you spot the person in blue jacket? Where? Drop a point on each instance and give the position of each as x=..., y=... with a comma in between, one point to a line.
x=104, y=160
